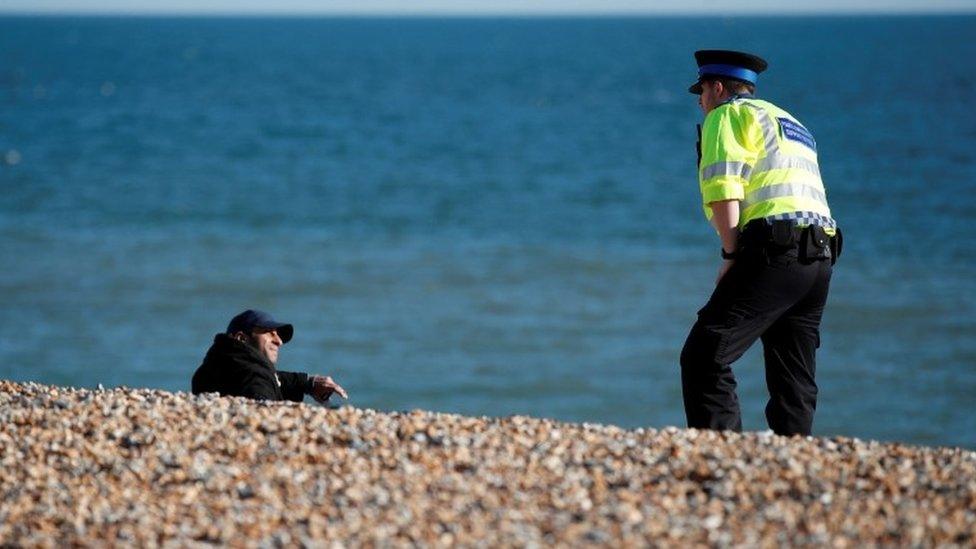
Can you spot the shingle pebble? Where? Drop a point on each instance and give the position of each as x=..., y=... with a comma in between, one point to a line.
x=149, y=468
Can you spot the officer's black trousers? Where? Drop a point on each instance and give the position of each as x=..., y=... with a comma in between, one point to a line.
x=775, y=298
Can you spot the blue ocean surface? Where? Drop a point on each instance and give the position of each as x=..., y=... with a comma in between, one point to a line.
x=481, y=216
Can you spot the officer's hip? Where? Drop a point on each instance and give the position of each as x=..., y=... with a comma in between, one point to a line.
x=768, y=239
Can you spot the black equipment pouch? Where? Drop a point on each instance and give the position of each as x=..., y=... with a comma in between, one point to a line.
x=836, y=246
x=814, y=244
x=698, y=147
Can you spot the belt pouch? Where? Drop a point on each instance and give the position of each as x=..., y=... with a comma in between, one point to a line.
x=836, y=246
x=814, y=244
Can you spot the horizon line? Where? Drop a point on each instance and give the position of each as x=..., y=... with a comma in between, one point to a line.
x=948, y=11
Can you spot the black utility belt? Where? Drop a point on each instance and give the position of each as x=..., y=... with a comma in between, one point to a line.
x=777, y=237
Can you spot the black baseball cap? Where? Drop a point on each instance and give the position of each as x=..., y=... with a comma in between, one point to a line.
x=736, y=65
x=251, y=319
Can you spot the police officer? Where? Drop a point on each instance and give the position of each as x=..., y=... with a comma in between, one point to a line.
x=761, y=190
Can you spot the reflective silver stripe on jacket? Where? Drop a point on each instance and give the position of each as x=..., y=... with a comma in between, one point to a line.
x=805, y=218
x=773, y=159
x=781, y=190
x=740, y=169
x=768, y=128
x=782, y=162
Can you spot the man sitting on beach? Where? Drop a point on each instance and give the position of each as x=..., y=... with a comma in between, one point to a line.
x=241, y=362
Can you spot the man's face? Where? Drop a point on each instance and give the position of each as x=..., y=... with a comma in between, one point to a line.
x=712, y=94
x=267, y=343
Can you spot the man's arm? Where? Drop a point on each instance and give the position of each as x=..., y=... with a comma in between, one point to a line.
x=725, y=218
x=293, y=385
x=322, y=387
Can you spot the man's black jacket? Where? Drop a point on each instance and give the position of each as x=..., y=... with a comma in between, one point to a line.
x=234, y=368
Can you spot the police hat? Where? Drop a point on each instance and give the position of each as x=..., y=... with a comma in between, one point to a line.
x=251, y=319
x=736, y=65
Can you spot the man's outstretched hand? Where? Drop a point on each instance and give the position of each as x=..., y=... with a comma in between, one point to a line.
x=324, y=386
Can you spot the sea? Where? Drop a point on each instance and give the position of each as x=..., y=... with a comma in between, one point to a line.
x=482, y=216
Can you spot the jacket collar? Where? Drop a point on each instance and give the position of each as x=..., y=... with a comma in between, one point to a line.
x=737, y=96
x=226, y=345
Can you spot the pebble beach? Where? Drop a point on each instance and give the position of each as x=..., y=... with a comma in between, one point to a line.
x=153, y=468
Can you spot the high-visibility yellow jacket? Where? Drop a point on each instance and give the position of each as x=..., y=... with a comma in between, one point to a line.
x=757, y=153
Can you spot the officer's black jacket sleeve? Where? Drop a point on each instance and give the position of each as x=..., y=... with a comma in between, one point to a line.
x=293, y=385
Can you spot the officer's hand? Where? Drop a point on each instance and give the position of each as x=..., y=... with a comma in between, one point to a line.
x=324, y=386
x=724, y=268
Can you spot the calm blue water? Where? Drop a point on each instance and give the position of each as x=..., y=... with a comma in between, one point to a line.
x=477, y=216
